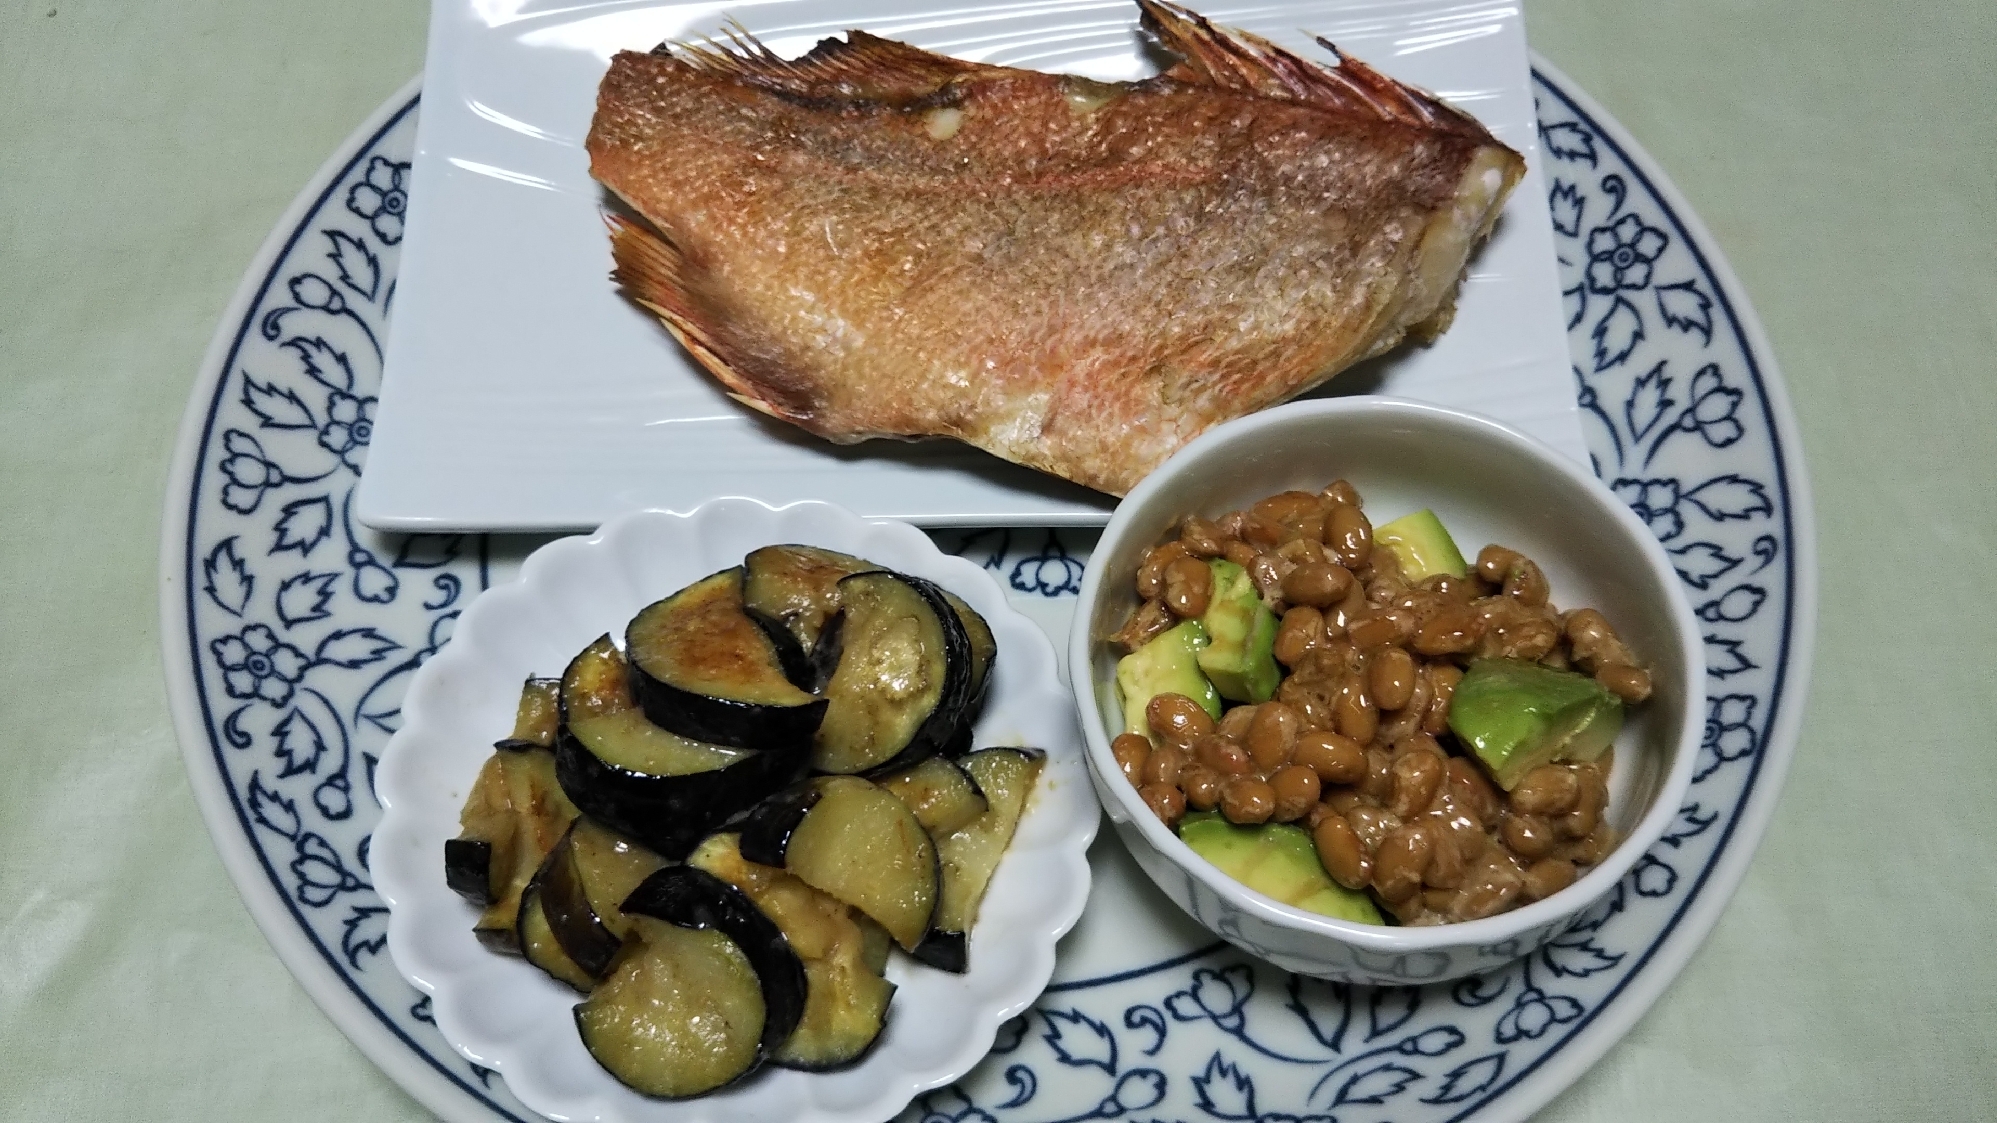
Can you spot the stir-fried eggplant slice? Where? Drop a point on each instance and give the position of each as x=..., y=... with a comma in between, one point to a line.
x=672, y=813
x=797, y=587
x=479, y=864
x=704, y=988
x=767, y=828
x=535, y=719
x=468, y=869
x=984, y=648
x=902, y=681
x=514, y=815
x=846, y=999
x=663, y=789
x=563, y=904
x=680, y=1013
x=939, y=791
x=595, y=684
x=971, y=854
x=704, y=668
x=876, y=943
x=629, y=741
x=537, y=942
x=611, y=865
x=856, y=841
x=600, y=709
x=587, y=877
x=694, y=898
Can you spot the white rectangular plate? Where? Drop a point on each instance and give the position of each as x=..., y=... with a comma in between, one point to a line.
x=522, y=391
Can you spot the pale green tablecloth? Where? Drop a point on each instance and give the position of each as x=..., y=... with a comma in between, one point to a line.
x=1843, y=155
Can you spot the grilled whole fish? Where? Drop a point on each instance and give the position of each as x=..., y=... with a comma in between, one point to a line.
x=872, y=240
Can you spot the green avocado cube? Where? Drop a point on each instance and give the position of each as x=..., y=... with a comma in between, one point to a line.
x=1169, y=664
x=1241, y=659
x=1422, y=546
x=1517, y=716
x=1278, y=861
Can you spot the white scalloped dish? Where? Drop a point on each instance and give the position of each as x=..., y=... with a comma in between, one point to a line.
x=500, y=1012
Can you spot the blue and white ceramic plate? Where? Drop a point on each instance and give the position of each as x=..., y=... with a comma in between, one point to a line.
x=291, y=632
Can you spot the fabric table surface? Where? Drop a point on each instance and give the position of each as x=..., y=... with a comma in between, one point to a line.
x=1840, y=152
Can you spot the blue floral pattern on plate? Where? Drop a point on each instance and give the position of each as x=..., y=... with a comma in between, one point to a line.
x=303, y=626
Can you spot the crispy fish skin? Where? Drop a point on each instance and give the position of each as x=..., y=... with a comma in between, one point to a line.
x=872, y=240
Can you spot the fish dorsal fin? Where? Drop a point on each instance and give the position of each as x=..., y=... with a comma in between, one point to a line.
x=861, y=67
x=1210, y=55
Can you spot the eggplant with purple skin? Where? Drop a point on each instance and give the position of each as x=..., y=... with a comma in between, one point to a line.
x=939, y=791
x=479, y=864
x=468, y=870
x=693, y=898
x=536, y=939
x=984, y=651
x=855, y=841
x=767, y=828
x=661, y=788
x=843, y=952
x=700, y=993
x=970, y=855
x=704, y=668
x=513, y=816
x=585, y=879
x=535, y=718
x=900, y=688
x=797, y=587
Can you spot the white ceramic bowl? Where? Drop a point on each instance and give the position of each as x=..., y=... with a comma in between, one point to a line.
x=1487, y=483
x=504, y=1014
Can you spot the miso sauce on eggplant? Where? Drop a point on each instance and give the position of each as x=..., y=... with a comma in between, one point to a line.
x=846, y=999
x=513, y=816
x=970, y=855
x=901, y=688
x=587, y=877
x=942, y=795
x=535, y=718
x=855, y=841
x=679, y=1014
x=662, y=788
x=538, y=943
x=797, y=587
x=703, y=668
x=705, y=988
x=694, y=898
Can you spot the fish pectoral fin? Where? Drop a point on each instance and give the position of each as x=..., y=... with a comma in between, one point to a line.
x=654, y=273
x=1229, y=59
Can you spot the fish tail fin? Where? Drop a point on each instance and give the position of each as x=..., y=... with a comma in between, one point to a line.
x=1236, y=60
x=654, y=272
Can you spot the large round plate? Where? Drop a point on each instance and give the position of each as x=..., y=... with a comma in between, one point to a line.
x=507, y=1014
x=290, y=633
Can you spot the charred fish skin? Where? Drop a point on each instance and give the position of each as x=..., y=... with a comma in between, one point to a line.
x=876, y=241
